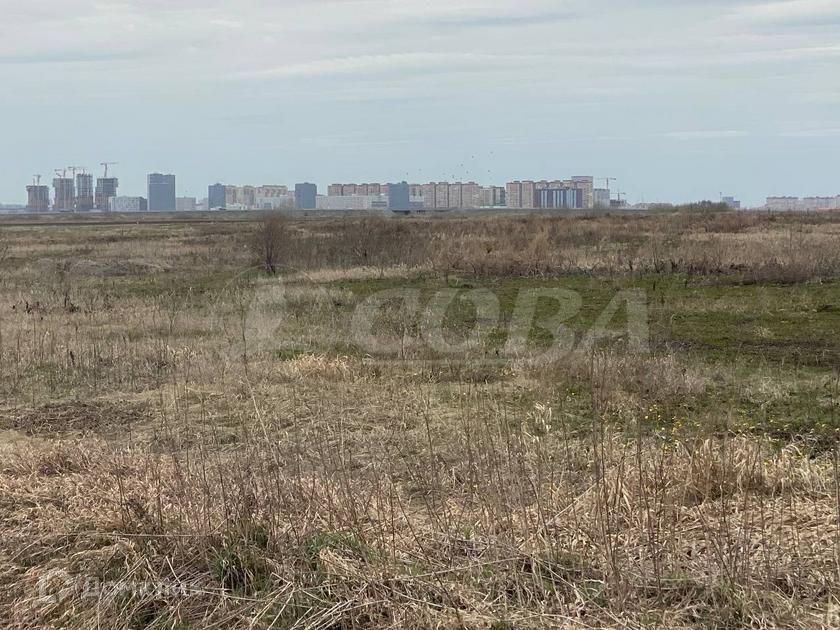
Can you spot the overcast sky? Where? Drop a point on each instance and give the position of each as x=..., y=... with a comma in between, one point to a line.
x=678, y=99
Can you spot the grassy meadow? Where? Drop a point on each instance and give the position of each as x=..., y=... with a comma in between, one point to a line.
x=324, y=423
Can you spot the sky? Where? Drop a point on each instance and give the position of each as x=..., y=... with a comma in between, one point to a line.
x=678, y=100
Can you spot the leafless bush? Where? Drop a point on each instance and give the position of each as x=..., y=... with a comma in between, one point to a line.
x=746, y=246
x=270, y=240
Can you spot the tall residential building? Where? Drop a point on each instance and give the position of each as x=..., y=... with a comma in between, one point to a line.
x=247, y=197
x=346, y=190
x=231, y=196
x=529, y=194
x=84, y=192
x=813, y=203
x=442, y=196
x=566, y=198
x=601, y=198
x=399, y=196
x=470, y=195
x=274, y=198
x=65, y=194
x=586, y=183
x=216, y=196
x=352, y=202
x=161, y=192
x=525, y=194
x=306, y=196
x=428, y=191
x=106, y=187
x=39, y=198
x=513, y=194
x=491, y=196
x=185, y=204
x=455, y=197
x=783, y=203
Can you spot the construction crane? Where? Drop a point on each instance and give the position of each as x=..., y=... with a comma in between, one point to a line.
x=61, y=172
x=106, y=165
x=36, y=180
x=619, y=194
x=608, y=180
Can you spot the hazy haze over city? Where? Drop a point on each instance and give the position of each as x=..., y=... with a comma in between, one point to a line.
x=677, y=99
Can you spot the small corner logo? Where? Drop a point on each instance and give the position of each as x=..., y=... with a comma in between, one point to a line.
x=832, y=616
x=54, y=586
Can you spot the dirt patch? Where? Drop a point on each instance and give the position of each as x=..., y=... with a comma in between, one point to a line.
x=66, y=417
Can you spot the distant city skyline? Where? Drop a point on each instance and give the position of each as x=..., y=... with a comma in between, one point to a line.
x=129, y=186
x=677, y=100
x=77, y=194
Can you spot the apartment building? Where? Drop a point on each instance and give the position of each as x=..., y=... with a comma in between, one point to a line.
x=442, y=196
x=513, y=194
x=185, y=204
x=601, y=198
x=586, y=184
x=491, y=196
x=455, y=196
x=428, y=194
x=529, y=194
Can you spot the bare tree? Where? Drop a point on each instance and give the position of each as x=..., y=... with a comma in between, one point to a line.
x=270, y=240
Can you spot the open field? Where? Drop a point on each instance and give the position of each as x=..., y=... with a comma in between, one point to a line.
x=394, y=430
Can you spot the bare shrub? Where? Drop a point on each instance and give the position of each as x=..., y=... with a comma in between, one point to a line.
x=269, y=242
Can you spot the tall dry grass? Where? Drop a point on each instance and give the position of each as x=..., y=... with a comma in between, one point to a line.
x=423, y=516
x=745, y=246
x=153, y=446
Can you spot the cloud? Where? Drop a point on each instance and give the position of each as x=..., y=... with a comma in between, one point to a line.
x=830, y=132
x=405, y=62
x=459, y=72
x=791, y=12
x=71, y=57
x=503, y=20
x=705, y=134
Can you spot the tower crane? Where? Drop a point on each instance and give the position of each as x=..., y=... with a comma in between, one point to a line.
x=106, y=165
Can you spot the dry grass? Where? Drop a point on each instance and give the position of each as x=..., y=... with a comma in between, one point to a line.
x=155, y=444
x=749, y=247
x=71, y=417
x=460, y=521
